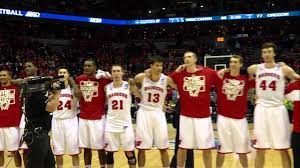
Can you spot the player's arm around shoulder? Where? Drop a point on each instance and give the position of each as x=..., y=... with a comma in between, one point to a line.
x=252, y=69
x=221, y=72
x=171, y=83
x=105, y=89
x=133, y=88
x=138, y=79
x=290, y=73
x=75, y=87
x=180, y=68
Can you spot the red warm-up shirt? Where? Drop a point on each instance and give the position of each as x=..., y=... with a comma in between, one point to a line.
x=92, y=102
x=194, y=90
x=232, y=94
x=293, y=93
x=10, y=106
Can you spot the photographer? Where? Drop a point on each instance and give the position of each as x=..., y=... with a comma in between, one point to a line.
x=38, y=107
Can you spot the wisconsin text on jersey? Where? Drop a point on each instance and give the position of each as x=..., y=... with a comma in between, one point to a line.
x=269, y=74
x=154, y=88
x=117, y=94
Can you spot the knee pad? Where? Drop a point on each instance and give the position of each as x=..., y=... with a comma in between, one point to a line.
x=110, y=158
x=131, y=159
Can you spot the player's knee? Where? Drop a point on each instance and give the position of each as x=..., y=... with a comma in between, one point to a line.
x=131, y=157
x=110, y=158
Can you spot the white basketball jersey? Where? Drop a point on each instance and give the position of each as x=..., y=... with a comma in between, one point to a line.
x=270, y=85
x=153, y=94
x=119, y=106
x=67, y=107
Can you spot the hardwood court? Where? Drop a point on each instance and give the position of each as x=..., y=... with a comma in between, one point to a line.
x=273, y=159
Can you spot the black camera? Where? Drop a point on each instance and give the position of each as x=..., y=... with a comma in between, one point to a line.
x=41, y=84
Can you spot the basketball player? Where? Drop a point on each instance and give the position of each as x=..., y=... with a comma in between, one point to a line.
x=91, y=117
x=293, y=94
x=194, y=84
x=118, y=126
x=232, y=90
x=65, y=123
x=151, y=120
x=10, y=116
x=271, y=122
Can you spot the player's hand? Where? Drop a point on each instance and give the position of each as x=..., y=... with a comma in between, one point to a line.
x=221, y=72
x=168, y=109
x=102, y=74
x=282, y=64
x=107, y=75
x=181, y=68
x=251, y=77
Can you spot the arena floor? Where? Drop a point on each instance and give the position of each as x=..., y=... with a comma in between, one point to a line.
x=273, y=159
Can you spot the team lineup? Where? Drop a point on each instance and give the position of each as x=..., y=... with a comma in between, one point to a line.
x=82, y=121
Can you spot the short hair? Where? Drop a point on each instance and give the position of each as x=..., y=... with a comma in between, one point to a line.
x=241, y=59
x=91, y=60
x=193, y=53
x=63, y=67
x=117, y=65
x=269, y=45
x=8, y=72
x=155, y=59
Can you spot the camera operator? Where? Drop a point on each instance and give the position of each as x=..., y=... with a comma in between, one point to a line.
x=38, y=107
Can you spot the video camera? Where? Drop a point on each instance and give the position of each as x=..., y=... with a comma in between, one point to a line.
x=41, y=84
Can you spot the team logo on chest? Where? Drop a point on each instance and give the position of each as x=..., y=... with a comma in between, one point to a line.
x=89, y=90
x=194, y=85
x=233, y=88
x=7, y=97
